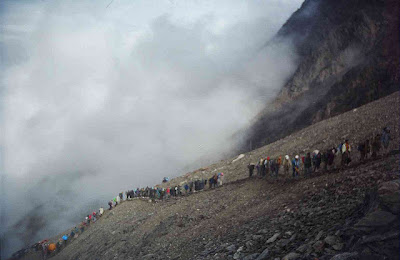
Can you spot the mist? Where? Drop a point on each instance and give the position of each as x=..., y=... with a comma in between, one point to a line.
x=97, y=100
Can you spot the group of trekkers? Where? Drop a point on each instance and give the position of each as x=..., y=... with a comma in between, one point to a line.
x=185, y=188
x=51, y=248
x=311, y=162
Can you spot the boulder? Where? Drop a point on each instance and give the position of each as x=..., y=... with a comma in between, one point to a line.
x=376, y=219
x=231, y=248
x=319, y=235
x=331, y=240
x=263, y=255
x=273, y=238
x=258, y=237
x=303, y=248
x=291, y=256
x=251, y=257
x=319, y=246
x=346, y=256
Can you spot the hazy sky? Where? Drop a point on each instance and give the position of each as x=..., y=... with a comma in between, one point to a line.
x=98, y=100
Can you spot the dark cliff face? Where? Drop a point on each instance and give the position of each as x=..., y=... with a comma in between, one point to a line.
x=348, y=56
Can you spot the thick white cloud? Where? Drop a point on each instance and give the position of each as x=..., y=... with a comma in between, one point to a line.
x=98, y=100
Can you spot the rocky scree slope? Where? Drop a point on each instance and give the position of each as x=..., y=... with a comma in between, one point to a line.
x=348, y=56
x=342, y=214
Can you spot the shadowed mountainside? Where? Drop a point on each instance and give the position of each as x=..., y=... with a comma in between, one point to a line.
x=348, y=56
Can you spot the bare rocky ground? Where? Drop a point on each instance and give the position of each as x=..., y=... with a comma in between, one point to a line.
x=350, y=213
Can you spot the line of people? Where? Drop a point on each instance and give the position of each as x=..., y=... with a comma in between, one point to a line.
x=307, y=164
x=311, y=162
x=50, y=248
x=183, y=189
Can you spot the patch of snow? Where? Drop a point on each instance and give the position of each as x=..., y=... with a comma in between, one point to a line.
x=238, y=158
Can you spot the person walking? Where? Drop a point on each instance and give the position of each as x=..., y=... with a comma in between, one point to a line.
x=250, y=166
x=296, y=166
x=307, y=165
x=385, y=138
x=346, y=149
x=362, y=150
x=286, y=165
x=376, y=146
x=220, y=178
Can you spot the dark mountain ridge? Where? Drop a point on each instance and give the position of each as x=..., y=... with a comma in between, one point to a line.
x=348, y=56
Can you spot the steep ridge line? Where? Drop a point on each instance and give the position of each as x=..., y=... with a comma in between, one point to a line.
x=391, y=101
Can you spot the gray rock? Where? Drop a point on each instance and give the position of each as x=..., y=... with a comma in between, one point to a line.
x=338, y=246
x=148, y=257
x=334, y=242
x=319, y=246
x=291, y=256
x=231, y=248
x=303, y=248
x=283, y=242
x=249, y=244
x=258, y=237
x=206, y=252
x=273, y=238
x=251, y=257
x=238, y=253
x=263, y=231
x=387, y=236
x=376, y=219
x=263, y=255
x=346, y=256
x=289, y=233
x=331, y=240
x=318, y=237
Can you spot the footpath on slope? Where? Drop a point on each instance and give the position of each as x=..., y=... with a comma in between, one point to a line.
x=357, y=125
x=197, y=226
x=316, y=217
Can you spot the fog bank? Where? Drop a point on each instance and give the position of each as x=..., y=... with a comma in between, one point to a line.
x=97, y=100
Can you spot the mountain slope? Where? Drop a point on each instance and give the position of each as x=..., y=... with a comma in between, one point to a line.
x=216, y=223
x=348, y=56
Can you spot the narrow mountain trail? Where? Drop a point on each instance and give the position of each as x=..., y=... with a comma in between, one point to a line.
x=244, y=213
x=255, y=218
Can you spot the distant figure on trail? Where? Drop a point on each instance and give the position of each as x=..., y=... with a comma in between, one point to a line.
x=385, y=138
x=220, y=178
x=267, y=164
x=110, y=204
x=307, y=165
x=324, y=159
x=250, y=166
x=367, y=149
x=215, y=180
x=362, y=150
x=65, y=238
x=278, y=165
x=121, y=196
x=59, y=244
x=346, y=149
x=286, y=165
x=317, y=158
x=262, y=167
x=258, y=167
x=331, y=158
x=296, y=166
x=101, y=211
x=274, y=168
x=376, y=146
